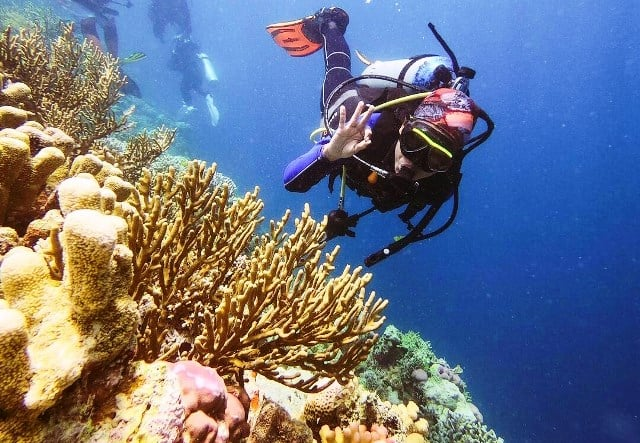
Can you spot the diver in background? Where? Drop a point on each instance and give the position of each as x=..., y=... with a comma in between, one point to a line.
x=96, y=13
x=197, y=73
x=406, y=151
x=174, y=13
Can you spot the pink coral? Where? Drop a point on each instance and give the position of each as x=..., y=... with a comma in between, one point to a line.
x=213, y=415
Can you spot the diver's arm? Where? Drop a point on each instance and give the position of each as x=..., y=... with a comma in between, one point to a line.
x=305, y=171
x=351, y=137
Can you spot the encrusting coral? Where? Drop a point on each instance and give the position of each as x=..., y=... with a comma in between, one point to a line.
x=206, y=293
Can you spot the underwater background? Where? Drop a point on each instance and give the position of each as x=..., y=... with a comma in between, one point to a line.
x=535, y=290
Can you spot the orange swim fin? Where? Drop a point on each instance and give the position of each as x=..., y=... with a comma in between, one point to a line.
x=289, y=36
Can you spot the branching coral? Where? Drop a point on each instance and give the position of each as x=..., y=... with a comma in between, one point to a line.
x=140, y=151
x=205, y=296
x=74, y=85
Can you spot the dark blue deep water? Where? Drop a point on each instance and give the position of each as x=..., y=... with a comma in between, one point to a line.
x=535, y=291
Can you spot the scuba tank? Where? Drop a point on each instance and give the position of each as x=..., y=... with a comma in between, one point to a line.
x=423, y=71
x=210, y=75
x=210, y=78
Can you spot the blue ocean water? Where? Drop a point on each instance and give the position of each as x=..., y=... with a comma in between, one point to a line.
x=535, y=290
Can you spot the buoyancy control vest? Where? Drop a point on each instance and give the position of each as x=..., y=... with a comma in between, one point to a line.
x=388, y=192
x=397, y=103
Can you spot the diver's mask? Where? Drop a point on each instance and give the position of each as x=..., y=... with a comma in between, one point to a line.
x=427, y=145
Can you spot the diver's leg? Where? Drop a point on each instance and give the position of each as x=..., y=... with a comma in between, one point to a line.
x=337, y=58
x=111, y=36
x=185, y=92
x=90, y=31
x=331, y=24
x=337, y=61
x=182, y=18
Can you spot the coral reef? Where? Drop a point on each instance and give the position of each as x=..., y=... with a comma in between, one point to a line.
x=402, y=368
x=23, y=14
x=73, y=85
x=138, y=152
x=102, y=279
x=135, y=402
x=340, y=409
x=207, y=295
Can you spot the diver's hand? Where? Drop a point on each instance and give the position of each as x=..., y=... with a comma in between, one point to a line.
x=351, y=137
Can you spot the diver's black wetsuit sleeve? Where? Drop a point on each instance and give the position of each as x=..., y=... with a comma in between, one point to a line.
x=305, y=171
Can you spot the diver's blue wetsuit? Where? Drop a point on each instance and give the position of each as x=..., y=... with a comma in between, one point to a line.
x=305, y=171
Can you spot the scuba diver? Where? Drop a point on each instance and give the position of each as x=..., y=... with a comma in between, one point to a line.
x=96, y=13
x=170, y=12
x=409, y=128
x=198, y=75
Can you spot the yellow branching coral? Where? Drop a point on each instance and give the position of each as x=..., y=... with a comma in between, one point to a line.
x=205, y=295
x=74, y=85
x=140, y=151
x=184, y=238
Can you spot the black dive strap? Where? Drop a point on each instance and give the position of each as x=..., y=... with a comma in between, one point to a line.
x=413, y=236
x=416, y=234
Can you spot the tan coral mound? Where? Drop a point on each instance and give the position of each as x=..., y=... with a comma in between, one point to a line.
x=87, y=318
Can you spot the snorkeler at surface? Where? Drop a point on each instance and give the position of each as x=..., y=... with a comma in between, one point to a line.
x=396, y=137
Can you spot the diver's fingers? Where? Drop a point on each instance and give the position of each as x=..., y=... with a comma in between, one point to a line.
x=365, y=117
x=361, y=145
x=355, y=118
x=367, y=132
x=343, y=117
